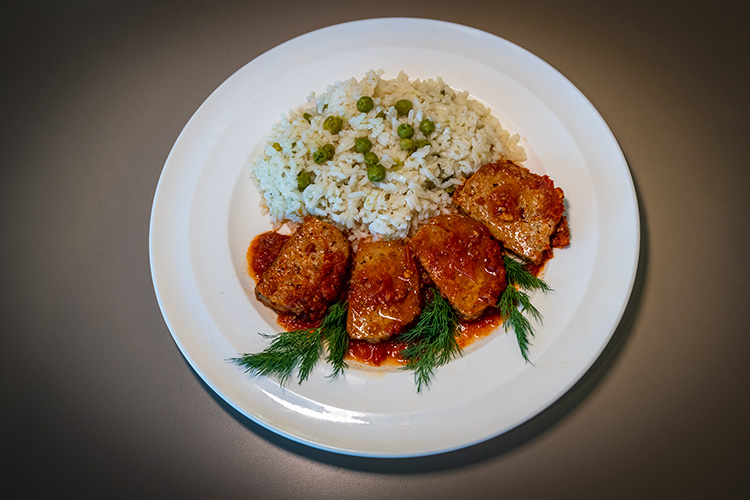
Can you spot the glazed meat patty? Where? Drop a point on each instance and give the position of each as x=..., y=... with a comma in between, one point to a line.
x=309, y=271
x=522, y=210
x=383, y=290
x=465, y=263
x=263, y=251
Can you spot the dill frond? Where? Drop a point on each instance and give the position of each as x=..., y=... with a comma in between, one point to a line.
x=517, y=274
x=288, y=350
x=301, y=349
x=334, y=328
x=432, y=340
x=509, y=308
x=514, y=302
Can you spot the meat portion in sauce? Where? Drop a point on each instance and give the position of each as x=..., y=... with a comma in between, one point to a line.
x=309, y=271
x=522, y=210
x=465, y=263
x=263, y=251
x=383, y=290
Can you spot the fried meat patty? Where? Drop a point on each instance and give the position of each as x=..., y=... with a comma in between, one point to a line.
x=307, y=275
x=465, y=263
x=522, y=210
x=383, y=290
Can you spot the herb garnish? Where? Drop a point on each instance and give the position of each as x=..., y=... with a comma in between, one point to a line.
x=519, y=278
x=302, y=348
x=432, y=341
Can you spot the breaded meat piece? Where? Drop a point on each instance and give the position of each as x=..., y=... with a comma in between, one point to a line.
x=307, y=275
x=521, y=209
x=383, y=290
x=465, y=263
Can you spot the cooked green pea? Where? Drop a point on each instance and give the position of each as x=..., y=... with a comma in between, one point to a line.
x=403, y=106
x=407, y=144
x=307, y=116
x=405, y=131
x=380, y=115
x=333, y=124
x=365, y=104
x=362, y=144
x=319, y=156
x=303, y=180
x=371, y=158
x=427, y=127
x=376, y=173
x=421, y=143
x=276, y=146
x=330, y=150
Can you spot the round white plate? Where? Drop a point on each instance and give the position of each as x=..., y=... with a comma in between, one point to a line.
x=205, y=213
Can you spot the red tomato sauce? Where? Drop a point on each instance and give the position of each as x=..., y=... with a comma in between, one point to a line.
x=266, y=246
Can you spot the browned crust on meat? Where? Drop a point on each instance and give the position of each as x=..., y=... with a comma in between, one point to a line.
x=308, y=274
x=463, y=261
x=522, y=210
x=383, y=290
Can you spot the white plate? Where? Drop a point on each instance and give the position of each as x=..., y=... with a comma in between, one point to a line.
x=206, y=212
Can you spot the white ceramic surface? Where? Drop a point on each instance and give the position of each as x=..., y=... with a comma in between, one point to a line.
x=205, y=213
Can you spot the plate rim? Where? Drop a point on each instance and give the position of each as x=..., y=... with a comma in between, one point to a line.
x=174, y=326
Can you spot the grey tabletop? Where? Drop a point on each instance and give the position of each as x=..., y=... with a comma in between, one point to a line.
x=99, y=399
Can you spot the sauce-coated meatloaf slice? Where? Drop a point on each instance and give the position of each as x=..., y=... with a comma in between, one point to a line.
x=307, y=275
x=464, y=262
x=521, y=209
x=383, y=290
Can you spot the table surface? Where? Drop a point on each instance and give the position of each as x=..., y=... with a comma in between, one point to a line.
x=100, y=399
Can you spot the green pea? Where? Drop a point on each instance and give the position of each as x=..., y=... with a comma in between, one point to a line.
x=407, y=144
x=329, y=150
x=376, y=173
x=276, y=146
x=362, y=144
x=371, y=158
x=405, y=131
x=333, y=124
x=427, y=127
x=307, y=116
x=303, y=180
x=421, y=143
x=403, y=106
x=365, y=104
x=381, y=115
x=319, y=156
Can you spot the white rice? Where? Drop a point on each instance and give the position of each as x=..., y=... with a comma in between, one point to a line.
x=466, y=137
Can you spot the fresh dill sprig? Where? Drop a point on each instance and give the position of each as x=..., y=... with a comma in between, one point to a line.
x=336, y=336
x=514, y=302
x=432, y=340
x=301, y=349
x=288, y=350
x=516, y=273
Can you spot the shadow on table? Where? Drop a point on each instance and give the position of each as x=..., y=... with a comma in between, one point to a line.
x=493, y=447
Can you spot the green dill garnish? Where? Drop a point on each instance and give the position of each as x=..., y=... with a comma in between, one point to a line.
x=516, y=273
x=432, y=340
x=514, y=302
x=302, y=348
x=334, y=330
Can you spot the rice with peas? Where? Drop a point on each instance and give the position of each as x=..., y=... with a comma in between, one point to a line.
x=417, y=182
